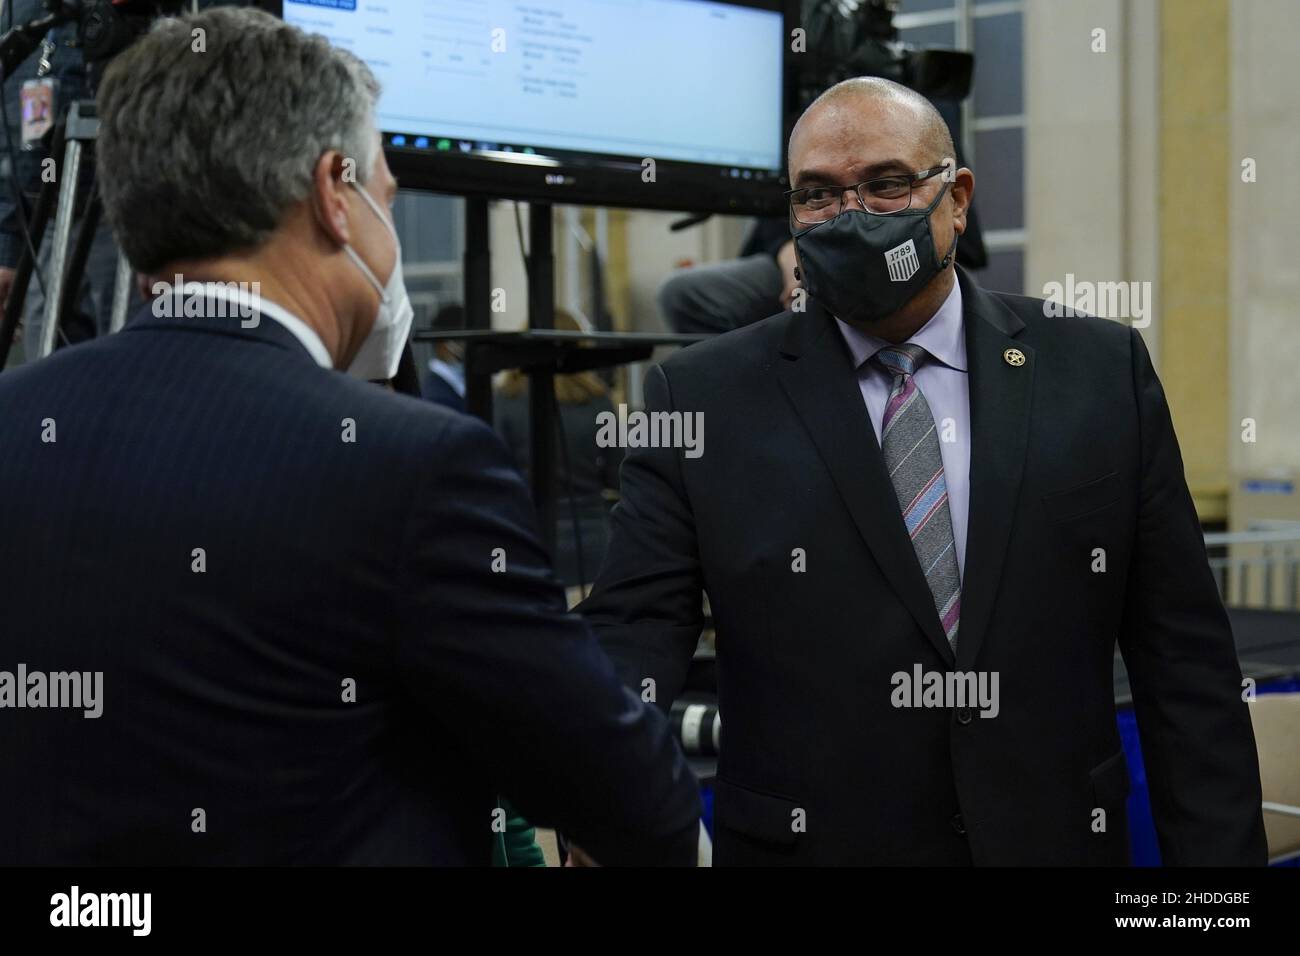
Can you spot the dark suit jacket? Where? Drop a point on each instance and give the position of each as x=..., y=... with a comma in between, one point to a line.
x=438, y=390
x=326, y=561
x=1072, y=451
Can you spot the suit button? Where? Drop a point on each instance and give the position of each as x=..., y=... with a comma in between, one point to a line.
x=958, y=826
x=964, y=715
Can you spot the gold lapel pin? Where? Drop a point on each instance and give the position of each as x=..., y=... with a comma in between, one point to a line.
x=1014, y=357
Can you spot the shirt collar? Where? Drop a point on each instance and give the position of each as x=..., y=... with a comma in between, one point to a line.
x=943, y=336
x=453, y=375
x=303, y=332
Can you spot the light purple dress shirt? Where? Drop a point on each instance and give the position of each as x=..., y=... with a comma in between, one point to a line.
x=944, y=381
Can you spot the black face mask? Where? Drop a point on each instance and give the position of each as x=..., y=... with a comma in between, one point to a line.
x=864, y=267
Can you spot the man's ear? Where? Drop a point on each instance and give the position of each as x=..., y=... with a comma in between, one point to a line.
x=963, y=188
x=329, y=199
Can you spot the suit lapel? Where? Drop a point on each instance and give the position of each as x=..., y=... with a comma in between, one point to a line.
x=818, y=377
x=816, y=373
x=1000, y=395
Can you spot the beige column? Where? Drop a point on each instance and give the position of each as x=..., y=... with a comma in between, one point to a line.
x=1194, y=241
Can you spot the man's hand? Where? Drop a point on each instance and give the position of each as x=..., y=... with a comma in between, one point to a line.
x=6, y=286
x=785, y=258
x=577, y=857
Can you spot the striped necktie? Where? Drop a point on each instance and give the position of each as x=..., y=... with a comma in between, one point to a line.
x=911, y=449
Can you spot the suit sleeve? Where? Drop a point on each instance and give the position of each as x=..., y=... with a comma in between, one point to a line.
x=490, y=651
x=647, y=604
x=1197, y=741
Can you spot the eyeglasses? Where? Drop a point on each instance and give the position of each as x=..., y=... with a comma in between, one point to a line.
x=888, y=194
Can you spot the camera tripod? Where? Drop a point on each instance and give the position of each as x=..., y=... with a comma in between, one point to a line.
x=73, y=136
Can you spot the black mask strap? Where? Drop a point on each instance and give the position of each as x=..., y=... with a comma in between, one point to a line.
x=952, y=252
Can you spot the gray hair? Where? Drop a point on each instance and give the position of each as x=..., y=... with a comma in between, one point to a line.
x=207, y=139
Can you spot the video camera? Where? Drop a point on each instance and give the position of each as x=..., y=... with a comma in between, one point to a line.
x=104, y=29
x=848, y=38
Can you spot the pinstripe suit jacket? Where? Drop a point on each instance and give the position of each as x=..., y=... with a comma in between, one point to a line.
x=326, y=628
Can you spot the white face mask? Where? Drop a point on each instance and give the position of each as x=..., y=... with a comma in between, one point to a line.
x=382, y=349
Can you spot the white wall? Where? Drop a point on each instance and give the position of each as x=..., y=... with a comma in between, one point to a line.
x=1264, y=218
x=1091, y=144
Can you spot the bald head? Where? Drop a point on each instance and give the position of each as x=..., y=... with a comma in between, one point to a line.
x=868, y=104
x=869, y=129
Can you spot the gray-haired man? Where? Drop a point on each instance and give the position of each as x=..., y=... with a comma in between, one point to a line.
x=325, y=628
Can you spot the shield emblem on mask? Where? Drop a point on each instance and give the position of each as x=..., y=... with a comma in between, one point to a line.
x=902, y=262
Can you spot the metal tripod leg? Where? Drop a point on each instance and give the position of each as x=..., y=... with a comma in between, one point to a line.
x=37, y=221
x=121, y=293
x=59, y=247
x=82, y=127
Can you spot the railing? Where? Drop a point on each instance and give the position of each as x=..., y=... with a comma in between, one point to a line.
x=1260, y=567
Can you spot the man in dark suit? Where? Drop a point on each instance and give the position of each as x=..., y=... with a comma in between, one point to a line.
x=309, y=619
x=891, y=694
x=444, y=382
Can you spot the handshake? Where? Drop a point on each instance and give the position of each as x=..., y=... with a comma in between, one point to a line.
x=575, y=856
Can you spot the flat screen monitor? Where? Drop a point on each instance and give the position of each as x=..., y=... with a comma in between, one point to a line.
x=667, y=104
